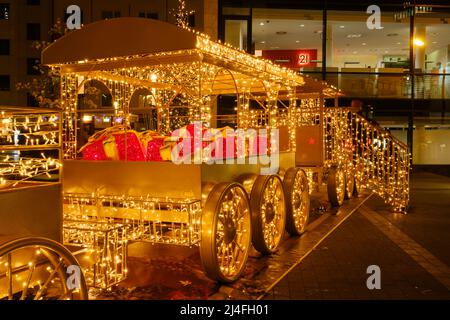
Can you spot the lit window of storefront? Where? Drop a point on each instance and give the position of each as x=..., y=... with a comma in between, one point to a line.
x=292, y=38
x=432, y=88
x=368, y=62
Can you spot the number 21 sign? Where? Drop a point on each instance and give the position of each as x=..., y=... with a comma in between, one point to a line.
x=303, y=59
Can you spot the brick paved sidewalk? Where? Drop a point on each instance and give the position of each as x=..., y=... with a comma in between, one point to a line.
x=428, y=218
x=337, y=268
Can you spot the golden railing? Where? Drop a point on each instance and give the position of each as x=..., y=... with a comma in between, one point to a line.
x=381, y=162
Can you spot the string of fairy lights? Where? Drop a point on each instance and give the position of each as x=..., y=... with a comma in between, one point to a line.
x=107, y=241
x=381, y=162
x=29, y=130
x=26, y=169
x=145, y=218
x=24, y=141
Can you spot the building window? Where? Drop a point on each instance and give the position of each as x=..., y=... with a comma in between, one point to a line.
x=33, y=31
x=33, y=2
x=191, y=20
x=4, y=11
x=5, y=83
x=149, y=15
x=33, y=67
x=110, y=14
x=4, y=47
x=107, y=15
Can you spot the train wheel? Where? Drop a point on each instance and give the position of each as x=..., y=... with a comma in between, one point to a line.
x=39, y=269
x=349, y=181
x=336, y=186
x=296, y=193
x=226, y=232
x=268, y=208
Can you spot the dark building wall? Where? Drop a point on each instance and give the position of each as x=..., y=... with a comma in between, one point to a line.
x=39, y=18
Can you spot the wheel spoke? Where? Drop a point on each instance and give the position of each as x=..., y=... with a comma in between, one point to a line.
x=32, y=267
x=222, y=256
x=10, y=279
x=220, y=241
x=231, y=259
x=47, y=282
x=227, y=259
x=238, y=246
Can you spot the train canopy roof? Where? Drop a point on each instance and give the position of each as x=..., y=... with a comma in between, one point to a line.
x=136, y=43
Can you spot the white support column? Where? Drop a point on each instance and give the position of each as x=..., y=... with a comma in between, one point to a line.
x=330, y=55
x=420, y=33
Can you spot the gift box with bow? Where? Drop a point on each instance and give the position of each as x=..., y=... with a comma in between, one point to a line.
x=115, y=143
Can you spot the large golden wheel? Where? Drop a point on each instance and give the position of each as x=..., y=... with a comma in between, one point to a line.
x=349, y=181
x=336, y=186
x=226, y=232
x=296, y=192
x=268, y=208
x=39, y=269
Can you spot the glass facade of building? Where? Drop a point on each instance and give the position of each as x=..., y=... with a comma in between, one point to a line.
x=392, y=55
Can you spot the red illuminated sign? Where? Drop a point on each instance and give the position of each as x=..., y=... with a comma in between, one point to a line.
x=293, y=59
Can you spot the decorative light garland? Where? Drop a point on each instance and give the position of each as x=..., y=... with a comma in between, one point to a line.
x=107, y=243
x=156, y=220
x=36, y=130
x=27, y=169
x=22, y=132
x=182, y=14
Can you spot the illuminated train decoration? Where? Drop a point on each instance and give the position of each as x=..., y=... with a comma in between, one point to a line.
x=128, y=187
